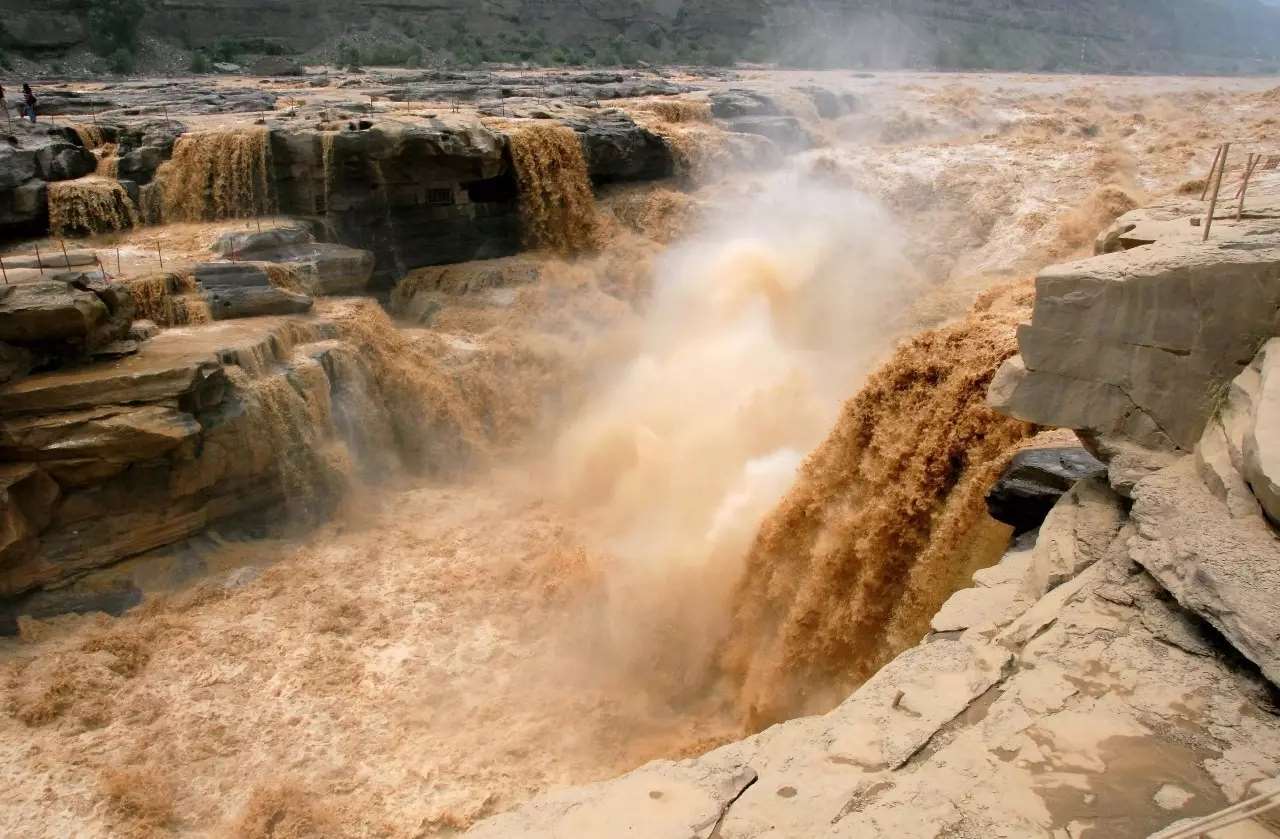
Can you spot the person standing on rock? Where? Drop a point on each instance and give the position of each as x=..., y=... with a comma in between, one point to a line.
x=28, y=103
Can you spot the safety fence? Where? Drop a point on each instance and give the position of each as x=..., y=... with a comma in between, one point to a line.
x=1252, y=174
x=141, y=260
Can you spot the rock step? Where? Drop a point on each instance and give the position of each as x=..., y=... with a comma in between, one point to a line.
x=179, y=364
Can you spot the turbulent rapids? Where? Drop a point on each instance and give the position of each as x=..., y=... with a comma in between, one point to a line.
x=680, y=461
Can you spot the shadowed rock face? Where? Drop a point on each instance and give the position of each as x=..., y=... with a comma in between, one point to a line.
x=432, y=195
x=42, y=154
x=413, y=196
x=1034, y=481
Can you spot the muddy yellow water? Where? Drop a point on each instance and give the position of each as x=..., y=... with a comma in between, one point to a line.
x=718, y=460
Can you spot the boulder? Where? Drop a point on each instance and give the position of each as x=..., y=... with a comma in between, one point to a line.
x=252, y=244
x=320, y=268
x=1223, y=567
x=1121, y=346
x=1034, y=481
x=244, y=290
x=61, y=160
x=617, y=149
x=786, y=131
x=1261, y=440
x=17, y=166
x=50, y=310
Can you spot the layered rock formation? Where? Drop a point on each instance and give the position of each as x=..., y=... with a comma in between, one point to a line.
x=200, y=425
x=118, y=434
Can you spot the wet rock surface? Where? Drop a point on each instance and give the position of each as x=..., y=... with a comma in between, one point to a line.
x=149, y=450
x=245, y=290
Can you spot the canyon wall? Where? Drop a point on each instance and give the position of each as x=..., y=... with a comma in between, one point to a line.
x=1185, y=36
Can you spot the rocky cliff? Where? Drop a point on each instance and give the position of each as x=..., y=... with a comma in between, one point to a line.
x=1115, y=673
x=1188, y=35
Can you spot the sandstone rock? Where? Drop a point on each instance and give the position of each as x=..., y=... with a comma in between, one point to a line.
x=110, y=433
x=325, y=268
x=243, y=290
x=1034, y=481
x=251, y=244
x=27, y=497
x=420, y=294
x=1220, y=472
x=70, y=260
x=902, y=707
x=48, y=311
x=1076, y=534
x=1261, y=446
x=321, y=268
x=666, y=800
x=151, y=449
x=980, y=607
x=1225, y=569
x=140, y=378
x=1119, y=346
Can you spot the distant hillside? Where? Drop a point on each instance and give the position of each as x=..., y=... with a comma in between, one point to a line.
x=1188, y=36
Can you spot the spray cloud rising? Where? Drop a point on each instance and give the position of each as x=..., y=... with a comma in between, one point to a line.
x=759, y=326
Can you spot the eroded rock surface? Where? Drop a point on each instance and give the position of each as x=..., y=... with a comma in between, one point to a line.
x=203, y=423
x=1134, y=344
